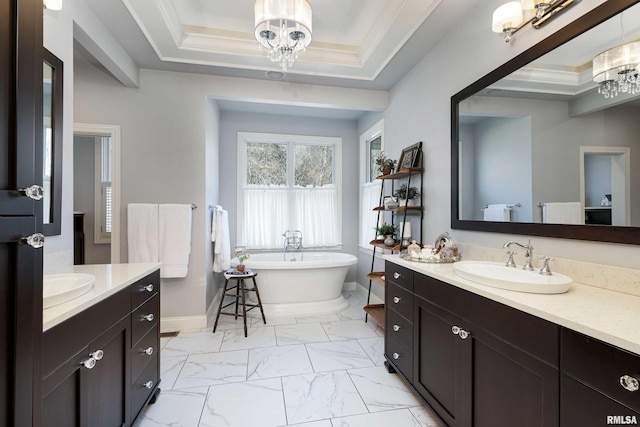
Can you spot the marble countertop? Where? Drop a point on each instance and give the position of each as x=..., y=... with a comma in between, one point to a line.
x=110, y=278
x=609, y=316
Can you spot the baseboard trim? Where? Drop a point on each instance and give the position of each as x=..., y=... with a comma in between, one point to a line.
x=182, y=323
x=350, y=286
x=363, y=291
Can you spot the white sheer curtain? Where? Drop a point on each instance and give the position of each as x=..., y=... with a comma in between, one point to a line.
x=370, y=199
x=270, y=212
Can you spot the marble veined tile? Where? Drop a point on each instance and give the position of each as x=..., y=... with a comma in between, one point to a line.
x=426, y=417
x=348, y=330
x=333, y=356
x=213, y=368
x=252, y=403
x=193, y=343
x=300, y=334
x=382, y=391
x=170, y=367
x=273, y=321
x=396, y=418
x=323, y=423
x=374, y=347
x=320, y=396
x=320, y=318
x=256, y=337
x=271, y=362
x=163, y=341
x=175, y=408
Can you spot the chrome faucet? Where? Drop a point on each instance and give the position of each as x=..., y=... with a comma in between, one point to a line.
x=528, y=254
x=292, y=240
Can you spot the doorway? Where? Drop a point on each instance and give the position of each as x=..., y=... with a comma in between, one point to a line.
x=97, y=193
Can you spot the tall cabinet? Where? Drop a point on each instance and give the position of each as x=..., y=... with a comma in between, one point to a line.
x=411, y=177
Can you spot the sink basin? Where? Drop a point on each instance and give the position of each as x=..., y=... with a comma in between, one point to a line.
x=60, y=288
x=497, y=275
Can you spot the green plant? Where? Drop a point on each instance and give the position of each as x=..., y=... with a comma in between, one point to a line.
x=242, y=256
x=386, y=229
x=404, y=193
x=384, y=163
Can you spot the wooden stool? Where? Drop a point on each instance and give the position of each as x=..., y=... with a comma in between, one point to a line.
x=241, y=289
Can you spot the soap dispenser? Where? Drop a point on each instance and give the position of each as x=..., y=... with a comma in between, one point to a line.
x=413, y=250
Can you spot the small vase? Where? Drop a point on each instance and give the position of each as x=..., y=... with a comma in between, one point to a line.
x=240, y=268
x=389, y=240
x=386, y=171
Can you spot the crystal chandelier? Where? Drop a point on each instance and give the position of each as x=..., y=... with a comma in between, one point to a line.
x=616, y=70
x=283, y=27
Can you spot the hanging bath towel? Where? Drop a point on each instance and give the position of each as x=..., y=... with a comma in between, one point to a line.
x=175, y=240
x=499, y=213
x=142, y=232
x=220, y=235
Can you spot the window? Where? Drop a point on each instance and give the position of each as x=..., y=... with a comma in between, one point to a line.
x=371, y=145
x=289, y=182
x=103, y=191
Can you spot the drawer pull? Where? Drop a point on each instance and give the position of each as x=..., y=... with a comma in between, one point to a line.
x=396, y=299
x=396, y=328
x=629, y=383
x=463, y=334
x=397, y=275
x=456, y=330
x=396, y=356
x=148, y=288
x=149, y=317
x=90, y=363
x=148, y=351
x=148, y=384
x=98, y=354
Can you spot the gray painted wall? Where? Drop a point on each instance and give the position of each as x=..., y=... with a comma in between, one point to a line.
x=597, y=178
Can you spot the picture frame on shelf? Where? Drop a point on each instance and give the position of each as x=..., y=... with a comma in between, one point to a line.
x=410, y=157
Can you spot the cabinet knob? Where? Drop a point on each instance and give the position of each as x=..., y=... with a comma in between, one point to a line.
x=396, y=356
x=396, y=328
x=629, y=383
x=463, y=334
x=396, y=275
x=396, y=299
x=148, y=384
x=35, y=192
x=148, y=288
x=89, y=363
x=98, y=354
x=35, y=240
x=149, y=317
x=148, y=351
x=456, y=330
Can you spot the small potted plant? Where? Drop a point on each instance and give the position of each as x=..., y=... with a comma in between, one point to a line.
x=385, y=165
x=405, y=193
x=242, y=256
x=388, y=231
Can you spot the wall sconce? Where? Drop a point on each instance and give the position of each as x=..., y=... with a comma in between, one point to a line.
x=508, y=18
x=52, y=4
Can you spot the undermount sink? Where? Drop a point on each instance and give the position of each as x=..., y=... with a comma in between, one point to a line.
x=60, y=288
x=497, y=275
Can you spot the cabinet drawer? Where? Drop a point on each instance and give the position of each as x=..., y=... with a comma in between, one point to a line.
x=143, y=352
x=399, y=329
x=600, y=366
x=142, y=388
x=144, y=318
x=144, y=289
x=400, y=300
x=401, y=276
x=400, y=356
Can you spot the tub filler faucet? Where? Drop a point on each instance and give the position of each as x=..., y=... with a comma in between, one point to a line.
x=292, y=241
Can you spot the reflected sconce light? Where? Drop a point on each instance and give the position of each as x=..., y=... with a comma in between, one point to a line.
x=513, y=16
x=52, y=4
x=283, y=27
x=617, y=70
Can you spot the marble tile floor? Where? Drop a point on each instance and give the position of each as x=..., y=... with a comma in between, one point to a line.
x=316, y=371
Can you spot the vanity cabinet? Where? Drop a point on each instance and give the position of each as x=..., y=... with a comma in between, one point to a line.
x=97, y=372
x=475, y=361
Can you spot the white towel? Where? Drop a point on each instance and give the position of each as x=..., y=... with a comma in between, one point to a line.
x=142, y=232
x=220, y=235
x=562, y=213
x=498, y=213
x=175, y=240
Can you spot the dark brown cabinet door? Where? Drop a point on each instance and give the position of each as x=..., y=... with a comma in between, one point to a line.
x=20, y=265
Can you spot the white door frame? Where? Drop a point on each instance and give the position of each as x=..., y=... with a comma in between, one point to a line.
x=113, y=132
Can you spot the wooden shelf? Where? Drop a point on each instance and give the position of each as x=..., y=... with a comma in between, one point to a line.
x=402, y=173
x=376, y=312
x=399, y=209
x=379, y=243
x=377, y=277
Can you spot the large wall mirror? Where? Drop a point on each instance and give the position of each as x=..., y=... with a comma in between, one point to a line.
x=539, y=148
x=52, y=143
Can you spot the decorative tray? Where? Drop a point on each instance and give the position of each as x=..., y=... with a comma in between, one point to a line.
x=430, y=260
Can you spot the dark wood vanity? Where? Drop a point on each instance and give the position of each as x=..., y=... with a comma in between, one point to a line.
x=480, y=363
x=102, y=365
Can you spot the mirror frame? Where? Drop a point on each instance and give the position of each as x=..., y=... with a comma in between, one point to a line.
x=603, y=233
x=53, y=227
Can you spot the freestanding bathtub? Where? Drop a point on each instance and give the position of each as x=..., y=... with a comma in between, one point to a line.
x=306, y=283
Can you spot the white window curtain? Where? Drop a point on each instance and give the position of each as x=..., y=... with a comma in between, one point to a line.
x=369, y=217
x=315, y=211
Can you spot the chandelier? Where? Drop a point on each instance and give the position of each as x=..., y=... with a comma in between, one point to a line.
x=283, y=27
x=616, y=70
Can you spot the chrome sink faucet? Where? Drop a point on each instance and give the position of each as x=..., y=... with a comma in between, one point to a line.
x=528, y=254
